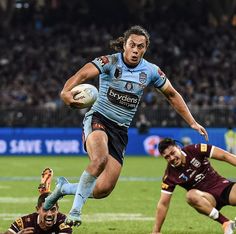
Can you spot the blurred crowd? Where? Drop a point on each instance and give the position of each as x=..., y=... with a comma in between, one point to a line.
x=37, y=58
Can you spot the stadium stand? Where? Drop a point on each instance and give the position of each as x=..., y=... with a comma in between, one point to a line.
x=46, y=42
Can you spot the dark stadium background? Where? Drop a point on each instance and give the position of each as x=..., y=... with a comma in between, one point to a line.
x=43, y=42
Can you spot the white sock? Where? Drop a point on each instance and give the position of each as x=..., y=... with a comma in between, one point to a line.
x=84, y=189
x=214, y=214
x=69, y=189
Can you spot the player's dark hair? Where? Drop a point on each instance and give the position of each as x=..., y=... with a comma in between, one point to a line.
x=165, y=143
x=117, y=44
x=42, y=198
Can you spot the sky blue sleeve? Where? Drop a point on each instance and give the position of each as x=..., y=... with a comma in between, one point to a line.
x=158, y=76
x=103, y=63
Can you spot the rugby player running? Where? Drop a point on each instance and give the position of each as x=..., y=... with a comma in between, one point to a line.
x=123, y=76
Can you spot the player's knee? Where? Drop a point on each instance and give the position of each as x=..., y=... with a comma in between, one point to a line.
x=99, y=163
x=103, y=191
x=103, y=194
x=192, y=197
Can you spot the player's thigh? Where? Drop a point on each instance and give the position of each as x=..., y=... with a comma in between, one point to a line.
x=196, y=196
x=97, y=144
x=108, y=178
x=210, y=198
x=232, y=196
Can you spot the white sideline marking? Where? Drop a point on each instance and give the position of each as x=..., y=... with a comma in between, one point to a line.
x=93, y=218
x=18, y=200
x=10, y=216
x=101, y=217
x=31, y=200
x=122, y=178
x=5, y=187
x=20, y=178
x=74, y=179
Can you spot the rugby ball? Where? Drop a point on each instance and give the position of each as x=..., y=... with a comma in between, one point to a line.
x=86, y=94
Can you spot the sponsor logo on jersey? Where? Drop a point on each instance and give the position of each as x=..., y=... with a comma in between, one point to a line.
x=20, y=223
x=195, y=163
x=142, y=86
x=63, y=226
x=199, y=177
x=124, y=99
x=164, y=186
x=191, y=172
x=96, y=126
x=118, y=72
x=161, y=73
x=142, y=77
x=183, y=176
x=129, y=86
x=103, y=60
x=203, y=147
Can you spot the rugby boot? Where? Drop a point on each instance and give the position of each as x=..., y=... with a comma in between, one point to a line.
x=74, y=218
x=46, y=179
x=229, y=227
x=56, y=194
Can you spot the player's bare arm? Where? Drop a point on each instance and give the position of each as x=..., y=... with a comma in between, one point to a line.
x=161, y=212
x=87, y=72
x=178, y=103
x=223, y=155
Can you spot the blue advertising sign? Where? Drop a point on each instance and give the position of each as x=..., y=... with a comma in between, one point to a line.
x=147, y=144
x=33, y=141
x=67, y=141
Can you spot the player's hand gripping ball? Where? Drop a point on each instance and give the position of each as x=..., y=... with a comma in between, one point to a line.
x=86, y=94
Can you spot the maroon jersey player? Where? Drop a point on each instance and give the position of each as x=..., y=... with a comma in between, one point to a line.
x=207, y=191
x=41, y=222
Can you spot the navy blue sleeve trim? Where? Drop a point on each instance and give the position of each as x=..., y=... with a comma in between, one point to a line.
x=97, y=67
x=159, y=87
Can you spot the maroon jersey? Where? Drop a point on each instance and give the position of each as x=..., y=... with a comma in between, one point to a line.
x=31, y=220
x=197, y=173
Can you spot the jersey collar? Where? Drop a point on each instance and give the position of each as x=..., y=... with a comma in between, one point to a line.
x=128, y=66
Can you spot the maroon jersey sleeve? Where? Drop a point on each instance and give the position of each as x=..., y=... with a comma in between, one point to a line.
x=167, y=185
x=16, y=226
x=23, y=222
x=199, y=150
x=63, y=228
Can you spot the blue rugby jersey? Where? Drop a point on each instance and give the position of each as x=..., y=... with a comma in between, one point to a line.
x=121, y=87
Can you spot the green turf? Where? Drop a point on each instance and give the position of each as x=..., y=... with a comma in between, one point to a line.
x=129, y=209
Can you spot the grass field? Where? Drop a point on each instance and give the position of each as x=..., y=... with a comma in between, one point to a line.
x=129, y=209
